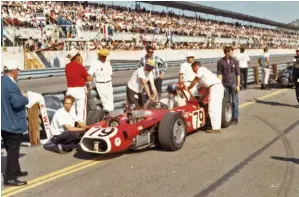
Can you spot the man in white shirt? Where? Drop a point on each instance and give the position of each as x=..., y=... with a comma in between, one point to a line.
x=264, y=62
x=243, y=64
x=187, y=75
x=216, y=92
x=138, y=81
x=65, y=134
x=102, y=73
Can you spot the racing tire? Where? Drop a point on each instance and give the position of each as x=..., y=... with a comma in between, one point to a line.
x=95, y=116
x=227, y=112
x=172, y=131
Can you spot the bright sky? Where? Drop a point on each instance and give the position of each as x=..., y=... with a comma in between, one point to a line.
x=279, y=11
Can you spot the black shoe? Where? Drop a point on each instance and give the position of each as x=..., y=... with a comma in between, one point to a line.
x=14, y=182
x=235, y=122
x=262, y=86
x=23, y=173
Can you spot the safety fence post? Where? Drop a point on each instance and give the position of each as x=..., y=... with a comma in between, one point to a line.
x=33, y=123
x=256, y=74
x=275, y=71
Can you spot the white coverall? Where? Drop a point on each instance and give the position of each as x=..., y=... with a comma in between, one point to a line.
x=79, y=93
x=216, y=93
x=102, y=72
x=188, y=76
x=265, y=70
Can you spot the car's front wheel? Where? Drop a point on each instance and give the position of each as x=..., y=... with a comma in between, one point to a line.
x=172, y=131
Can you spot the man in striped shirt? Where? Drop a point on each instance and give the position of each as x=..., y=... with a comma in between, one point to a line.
x=160, y=69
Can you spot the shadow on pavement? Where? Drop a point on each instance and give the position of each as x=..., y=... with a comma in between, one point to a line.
x=296, y=161
x=273, y=103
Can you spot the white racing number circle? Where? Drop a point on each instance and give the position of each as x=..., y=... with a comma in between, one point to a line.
x=102, y=132
x=117, y=141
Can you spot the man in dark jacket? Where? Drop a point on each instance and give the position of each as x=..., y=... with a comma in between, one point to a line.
x=13, y=120
x=296, y=75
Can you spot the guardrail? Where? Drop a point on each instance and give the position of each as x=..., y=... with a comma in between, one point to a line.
x=58, y=72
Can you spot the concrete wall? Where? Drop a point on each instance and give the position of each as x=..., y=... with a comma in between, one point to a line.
x=58, y=58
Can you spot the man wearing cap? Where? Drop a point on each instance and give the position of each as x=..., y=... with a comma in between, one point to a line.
x=187, y=75
x=77, y=76
x=13, y=120
x=160, y=67
x=102, y=77
x=138, y=81
x=216, y=93
x=296, y=75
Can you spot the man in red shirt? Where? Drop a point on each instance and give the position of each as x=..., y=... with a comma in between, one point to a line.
x=77, y=76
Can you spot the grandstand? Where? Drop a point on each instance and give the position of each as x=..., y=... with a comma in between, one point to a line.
x=89, y=26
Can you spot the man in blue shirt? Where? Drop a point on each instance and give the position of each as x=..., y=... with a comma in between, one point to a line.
x=13, y=120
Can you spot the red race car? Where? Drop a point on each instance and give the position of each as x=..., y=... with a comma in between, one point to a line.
x=153, y=126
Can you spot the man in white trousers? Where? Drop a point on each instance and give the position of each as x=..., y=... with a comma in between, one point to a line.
x=102, y=73
x=77, y=77
x=264, y=62
x=187, y=75
x=216, y=92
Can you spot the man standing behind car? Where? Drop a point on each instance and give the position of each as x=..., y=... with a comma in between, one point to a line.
x=264, y=62
x=102, y=72
x=228, y=72
x=160, y=68
x=187, y=75
x=243, y=62
x=65, y=134
x=216, y=93
x=77, y=76
x=138, y=81
x=13, y=120
x=296, y=75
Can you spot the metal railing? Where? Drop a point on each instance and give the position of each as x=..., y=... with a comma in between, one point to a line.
x=58, y=72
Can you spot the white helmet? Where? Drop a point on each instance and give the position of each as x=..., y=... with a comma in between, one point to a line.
x=189, y=54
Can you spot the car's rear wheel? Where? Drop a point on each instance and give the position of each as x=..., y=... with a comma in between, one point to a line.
x=227, y=112
x=172, y=131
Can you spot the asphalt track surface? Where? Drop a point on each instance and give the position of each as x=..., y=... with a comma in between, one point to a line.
x=259, y=157
x=58, y=84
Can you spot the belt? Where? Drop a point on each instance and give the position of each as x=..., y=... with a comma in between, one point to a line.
x=215, y=84
x=103, y=81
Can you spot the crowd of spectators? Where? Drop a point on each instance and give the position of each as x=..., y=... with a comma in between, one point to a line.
x=74, y=17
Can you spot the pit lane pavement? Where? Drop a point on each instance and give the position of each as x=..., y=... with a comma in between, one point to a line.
x=249, y=159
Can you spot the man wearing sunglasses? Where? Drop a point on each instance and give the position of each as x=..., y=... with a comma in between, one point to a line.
x=160, y=68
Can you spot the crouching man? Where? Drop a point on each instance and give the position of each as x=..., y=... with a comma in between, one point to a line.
x=174, y=99
x=216, y=91
x=66, y=134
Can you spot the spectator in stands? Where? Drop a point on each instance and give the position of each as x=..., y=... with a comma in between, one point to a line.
x=77, y=76
x=264, y=62
x=243, y=62
x=13, y=120
x=66, y=127
x=160, y=68
x=228, y=71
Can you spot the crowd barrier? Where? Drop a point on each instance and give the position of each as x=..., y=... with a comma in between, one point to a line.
x=54, y=101
x=58, y=72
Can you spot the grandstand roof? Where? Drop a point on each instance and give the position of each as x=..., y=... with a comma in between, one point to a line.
x=219, y=12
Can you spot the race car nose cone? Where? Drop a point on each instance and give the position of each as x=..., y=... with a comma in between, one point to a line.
x=94, y=145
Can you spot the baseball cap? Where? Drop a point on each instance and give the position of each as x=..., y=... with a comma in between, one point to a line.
x=11, y=65
x=72, y=53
